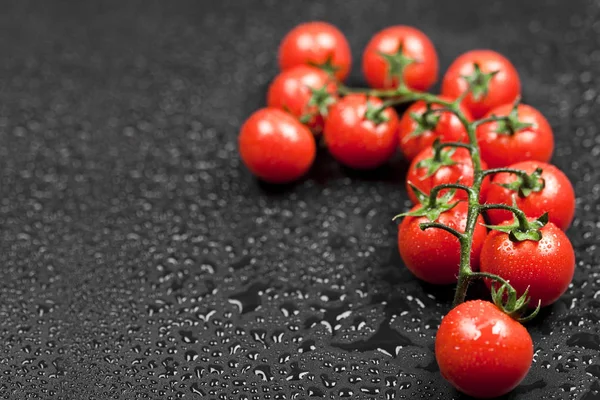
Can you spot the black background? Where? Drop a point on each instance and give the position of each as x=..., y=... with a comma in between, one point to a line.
x=140, y=259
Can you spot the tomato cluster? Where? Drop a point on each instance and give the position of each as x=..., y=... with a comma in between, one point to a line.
x=477, y=155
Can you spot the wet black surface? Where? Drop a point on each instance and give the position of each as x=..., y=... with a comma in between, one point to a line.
x=139, y=259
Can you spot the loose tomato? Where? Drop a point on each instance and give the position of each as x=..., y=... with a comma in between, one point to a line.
x=433, y=255
x=319, y=44
x=482, y=351
x=304, y=91
x=359, y=133
x=546, y=267
x=526, y=135
x=275, y=146
x=494, y=81
x=419, y=128
x=453, y=166
x=550, y=192
x=400, y=51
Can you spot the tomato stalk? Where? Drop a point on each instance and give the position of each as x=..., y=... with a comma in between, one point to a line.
x=433, y=194
x=465, y=273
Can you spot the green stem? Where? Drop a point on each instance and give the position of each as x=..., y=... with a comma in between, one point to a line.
x=519, y=172
x=520, y=215
x=493, y=277
x=436, y=190
x=510, y=291
x=493, y=118
x=465, y=271
x=455, y=144
x=428, y=225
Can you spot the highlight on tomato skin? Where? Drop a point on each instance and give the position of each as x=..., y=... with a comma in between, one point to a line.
x=433, y=255
x=494, y=81
x=554, y=194
x=545, y=268
x=305, y=92
x=526, y=137
x=275, y=146
x=319, y=44
x=482, y=351
x=408, y=53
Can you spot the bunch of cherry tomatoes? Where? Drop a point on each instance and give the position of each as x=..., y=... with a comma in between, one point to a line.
x=477, y=156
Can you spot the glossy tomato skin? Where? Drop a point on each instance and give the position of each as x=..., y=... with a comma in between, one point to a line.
x=275, y=146
x=315, y=43
x=546, y=267
x=482, y=351
x=503, y=88
x=291, y=91
x=356, y=141
x=532, y=143
x=433, y=255
x=420, y=75
x=448, y=129
x=461, y=171
x=557, y=198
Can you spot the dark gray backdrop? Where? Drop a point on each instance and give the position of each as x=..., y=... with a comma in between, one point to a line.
x=139, y=259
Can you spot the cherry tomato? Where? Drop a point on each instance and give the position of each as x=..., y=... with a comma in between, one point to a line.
x=454, y=166
x=275, y=146
x=482, y=351
x=316, y=43
x=360, y=134
x=546, y=267
x=433, y=255
x=554, y=194
x=496, y=81
x=503, y=143
x=419, y=128
x=400, y=44
x=304, y=91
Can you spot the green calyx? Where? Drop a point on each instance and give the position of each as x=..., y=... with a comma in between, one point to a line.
x=442, y=157
x=321, y=99
x=511, y=124
x=479, y=82
x=521, y=229
x=397, y=63
x=327, y=66
x=526, y=184
x=431, y=208
x=506, y=299
x=426, y=121
x=375, y=113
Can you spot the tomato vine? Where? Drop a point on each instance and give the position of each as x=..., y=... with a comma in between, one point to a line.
x=510, y=304
x=475, y=152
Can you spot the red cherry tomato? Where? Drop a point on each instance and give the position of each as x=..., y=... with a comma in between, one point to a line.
x=399, y=43
x=433, y=255
x=304, y=91
x=359, y=136
x=482, y=351
x=418, y=129
x=316, y=43
x=546, y=267
x=502, y=145
x=555, y=196
x=491, y=91
x=456, y=167
x=275, y=146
